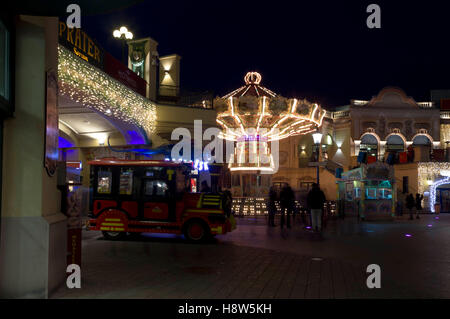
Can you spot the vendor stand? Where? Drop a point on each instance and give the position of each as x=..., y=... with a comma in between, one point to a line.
x=369, y=191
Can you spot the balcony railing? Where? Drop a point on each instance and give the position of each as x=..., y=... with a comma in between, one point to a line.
x=174, y=95
x=445, y=115
x=337, y=115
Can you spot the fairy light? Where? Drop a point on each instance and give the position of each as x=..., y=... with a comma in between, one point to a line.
x=85, y=84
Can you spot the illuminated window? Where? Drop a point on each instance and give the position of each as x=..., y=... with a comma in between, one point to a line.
x=371, y=193
x=384, y=193
x=104, y=182
x=126, y=182
x=395, y=143
x=156, y=188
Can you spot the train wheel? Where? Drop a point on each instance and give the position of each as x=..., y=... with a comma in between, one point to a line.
x=113, y=235
x=196, y=231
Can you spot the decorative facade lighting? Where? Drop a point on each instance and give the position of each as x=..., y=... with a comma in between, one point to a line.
x=87, y=85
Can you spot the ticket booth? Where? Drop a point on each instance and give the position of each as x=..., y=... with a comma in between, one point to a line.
x=369, y=191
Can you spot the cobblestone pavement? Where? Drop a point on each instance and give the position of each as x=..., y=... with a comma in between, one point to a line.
x=260, y=262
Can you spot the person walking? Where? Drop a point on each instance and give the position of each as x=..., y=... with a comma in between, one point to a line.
x=315, y=200
x=410, y=203
x=287, y=204
x=273, y=197
x=418, y=205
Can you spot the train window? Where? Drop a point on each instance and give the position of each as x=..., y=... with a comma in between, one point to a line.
x=156, y=188
x=154, y=171
x=126, y=182
x=104, y=182
x=182, y=182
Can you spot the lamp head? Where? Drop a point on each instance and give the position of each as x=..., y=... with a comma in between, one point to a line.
x=317, y=137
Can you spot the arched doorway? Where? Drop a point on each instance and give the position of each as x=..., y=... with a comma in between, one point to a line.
x=440, y=194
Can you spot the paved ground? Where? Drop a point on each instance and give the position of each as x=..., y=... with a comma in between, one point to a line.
x=260, y=262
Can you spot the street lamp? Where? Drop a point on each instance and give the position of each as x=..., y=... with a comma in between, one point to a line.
x=124, y=35
x=317, y=137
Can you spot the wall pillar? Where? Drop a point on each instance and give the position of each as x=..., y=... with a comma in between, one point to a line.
x=34, y=232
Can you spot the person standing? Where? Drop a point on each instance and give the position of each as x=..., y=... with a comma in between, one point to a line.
x=273, y=197
x=315, y=201
x=286, y=201
x=410, y=203
x=418, y=205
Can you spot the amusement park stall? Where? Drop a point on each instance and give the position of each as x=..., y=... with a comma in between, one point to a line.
x=369, y=191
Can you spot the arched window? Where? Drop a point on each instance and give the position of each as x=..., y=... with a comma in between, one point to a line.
x=369, y=144
x=421, y=139
x=395, y=143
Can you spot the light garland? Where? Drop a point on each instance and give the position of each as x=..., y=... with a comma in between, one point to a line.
x=85, y=84
x=429, y=171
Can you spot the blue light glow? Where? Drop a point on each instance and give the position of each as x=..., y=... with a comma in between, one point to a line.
x=135, y=138
x=64, y=143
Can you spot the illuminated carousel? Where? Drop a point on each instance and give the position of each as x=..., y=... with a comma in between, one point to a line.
x=256, y=118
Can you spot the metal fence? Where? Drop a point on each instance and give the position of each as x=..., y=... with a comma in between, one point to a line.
x=257, y=206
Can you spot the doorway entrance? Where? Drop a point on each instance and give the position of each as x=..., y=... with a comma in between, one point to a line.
x=443, y=198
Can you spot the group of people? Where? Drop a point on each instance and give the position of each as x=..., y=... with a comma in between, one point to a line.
x=315, y=202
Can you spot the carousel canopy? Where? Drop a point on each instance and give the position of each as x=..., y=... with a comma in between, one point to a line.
x=254, y=112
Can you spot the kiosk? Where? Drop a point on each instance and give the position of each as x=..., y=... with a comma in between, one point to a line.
x=369, y=191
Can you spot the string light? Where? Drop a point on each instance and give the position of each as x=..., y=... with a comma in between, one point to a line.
x=430, y=171
x=85, y=84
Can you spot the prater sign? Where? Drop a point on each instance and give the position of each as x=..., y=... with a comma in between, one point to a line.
x=81, y=44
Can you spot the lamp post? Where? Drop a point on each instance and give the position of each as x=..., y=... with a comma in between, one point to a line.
x=317, y=137
x=124, y=35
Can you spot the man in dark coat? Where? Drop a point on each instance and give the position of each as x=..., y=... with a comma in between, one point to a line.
x=315, y=201
x=287, y=198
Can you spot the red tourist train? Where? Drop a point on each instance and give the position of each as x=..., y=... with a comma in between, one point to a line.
x=146, y=196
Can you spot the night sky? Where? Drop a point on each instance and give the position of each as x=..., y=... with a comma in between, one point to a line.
x=321, y=50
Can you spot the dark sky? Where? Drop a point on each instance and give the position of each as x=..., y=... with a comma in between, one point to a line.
x=321, y=50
